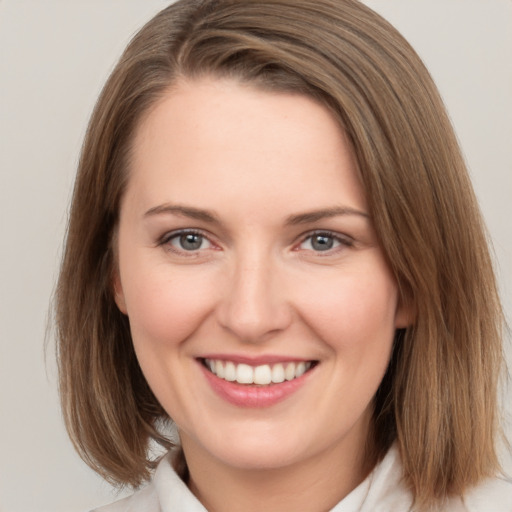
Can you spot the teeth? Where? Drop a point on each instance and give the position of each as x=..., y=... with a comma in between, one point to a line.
x=300, y=370
x=261, y=375
x=230, y=371
x=219, y=369
x=244, y=374
x=278, y=373
x=289, y=371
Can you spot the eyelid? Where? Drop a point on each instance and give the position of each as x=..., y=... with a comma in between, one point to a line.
x=165, y=239
x=168, y=235
x=343, y=239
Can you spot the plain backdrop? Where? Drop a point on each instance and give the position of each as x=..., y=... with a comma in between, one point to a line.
x=54, y=58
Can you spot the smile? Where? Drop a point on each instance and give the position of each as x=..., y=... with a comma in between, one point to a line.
x=261, y=375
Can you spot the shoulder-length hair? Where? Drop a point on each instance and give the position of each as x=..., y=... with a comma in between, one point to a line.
x=438, y=400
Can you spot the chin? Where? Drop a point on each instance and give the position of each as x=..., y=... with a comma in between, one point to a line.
x=256, y=451
x=259, y=458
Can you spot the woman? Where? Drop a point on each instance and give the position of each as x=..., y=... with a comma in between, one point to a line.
x=274, y=244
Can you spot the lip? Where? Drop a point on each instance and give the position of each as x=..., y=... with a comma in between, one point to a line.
x=254, y=396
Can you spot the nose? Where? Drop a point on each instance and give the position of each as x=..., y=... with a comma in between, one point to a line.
x=254, y=306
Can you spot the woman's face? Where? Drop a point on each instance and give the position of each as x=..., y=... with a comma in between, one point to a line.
x=261, y=307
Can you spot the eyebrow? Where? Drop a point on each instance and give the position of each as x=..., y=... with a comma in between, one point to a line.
x=184, y=211
x=292, y=220
x=316, y=215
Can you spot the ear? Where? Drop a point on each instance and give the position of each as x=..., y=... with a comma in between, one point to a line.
x=405, y=313
x=117, y=288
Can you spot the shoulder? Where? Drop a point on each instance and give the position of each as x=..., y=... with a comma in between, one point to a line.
x=165, y=493
x=386, y=492
x=144, y=500
x=492, y=495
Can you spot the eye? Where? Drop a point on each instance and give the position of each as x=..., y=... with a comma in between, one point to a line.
x=323, y=242
x=188, y=241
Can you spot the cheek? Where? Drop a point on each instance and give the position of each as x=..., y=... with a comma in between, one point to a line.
x=164, y=309
x=353, y=312
x=164, y=312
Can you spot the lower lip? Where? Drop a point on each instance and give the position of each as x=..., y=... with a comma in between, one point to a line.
x=244, y=395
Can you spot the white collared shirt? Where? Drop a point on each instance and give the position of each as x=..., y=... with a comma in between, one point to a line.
x=382, y=491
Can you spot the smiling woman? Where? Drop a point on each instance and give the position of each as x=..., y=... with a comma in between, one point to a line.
x=277, y=302
x=275, y=246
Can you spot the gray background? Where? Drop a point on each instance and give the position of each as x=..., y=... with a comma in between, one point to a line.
x=54, y=58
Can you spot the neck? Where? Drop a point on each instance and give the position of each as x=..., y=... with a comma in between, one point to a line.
x=313, y=484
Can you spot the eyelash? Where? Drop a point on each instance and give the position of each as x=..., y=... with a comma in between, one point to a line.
x=343, y=241
x=166, y=240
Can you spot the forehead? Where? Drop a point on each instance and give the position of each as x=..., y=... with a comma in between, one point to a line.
x=225, y=137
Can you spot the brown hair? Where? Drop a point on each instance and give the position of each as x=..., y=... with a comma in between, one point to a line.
x=438, y=399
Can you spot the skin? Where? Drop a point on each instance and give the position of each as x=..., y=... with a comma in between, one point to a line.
x=259, y=163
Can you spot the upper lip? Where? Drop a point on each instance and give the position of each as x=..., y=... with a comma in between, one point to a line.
x=255, y=360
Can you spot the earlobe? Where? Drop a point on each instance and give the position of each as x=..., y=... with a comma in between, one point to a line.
x=405, y=314
x=117, y=289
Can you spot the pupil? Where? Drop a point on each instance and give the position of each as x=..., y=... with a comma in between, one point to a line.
x=190, y=241
x=322, y=242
